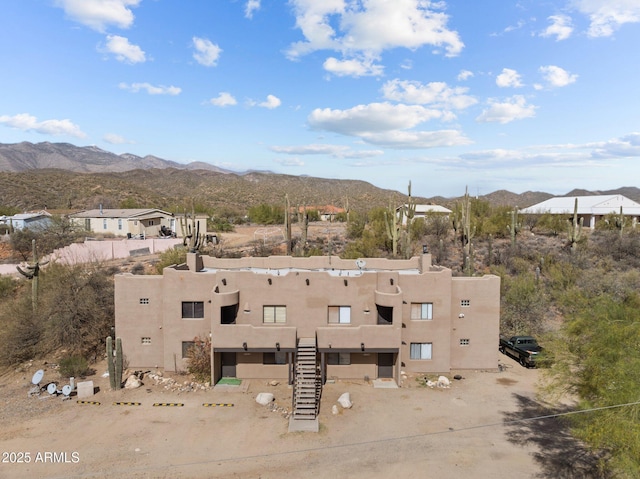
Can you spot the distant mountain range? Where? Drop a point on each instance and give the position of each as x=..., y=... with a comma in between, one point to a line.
x=83, y=159
x=69, y=177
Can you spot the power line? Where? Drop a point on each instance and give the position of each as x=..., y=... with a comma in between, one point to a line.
x=363, y=443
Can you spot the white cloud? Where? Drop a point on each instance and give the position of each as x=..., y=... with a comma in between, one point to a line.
x=123, y=50
x=438, y=94
x=115, y=139
x=223, y=99
x=98, y=14
x=627, y=146
x=271, y=102
x=336, y=151
x=606, y=16
x=406, y=64
x=151, y=89
x=366, y=29
x=207, y=53
x=464, y=75
x=290, y=162
x=385, y=124
x=363, y=119
x=509, y=78
x=514, y=108
x=353, y=67
x=26, y=122
x=556, y=76
x=417, y=139
x=560, y=27
x=250, y=7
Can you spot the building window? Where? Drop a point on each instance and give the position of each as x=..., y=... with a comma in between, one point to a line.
x=228, y=314
x=119, y=223
x=420, y=350
x=464, y=342
x=87, y=224
x=339, y=314
x=192, y=309
x=421, y=310
x=144, y=300
x=186, y=345
x=274, y=314
x=274, y=358
x=465, y=303
x=385, y=314
x=104, y=224
x=145, y=340
x=152, y=222
x=341, y=359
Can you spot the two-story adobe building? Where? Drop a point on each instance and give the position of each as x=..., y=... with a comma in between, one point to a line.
x=367, y=318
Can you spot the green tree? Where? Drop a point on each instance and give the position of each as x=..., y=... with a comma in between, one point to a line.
x=596, y=358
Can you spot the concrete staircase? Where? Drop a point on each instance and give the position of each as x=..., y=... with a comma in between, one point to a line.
x=307, y=388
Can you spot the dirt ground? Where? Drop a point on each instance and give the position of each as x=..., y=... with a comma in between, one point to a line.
x=471, y=429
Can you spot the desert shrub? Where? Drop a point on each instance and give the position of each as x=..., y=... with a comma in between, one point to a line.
x=7, y=286
x=199, y=359
x=137, y=268
x=20, y=331
x=171, y=256
x=74, y=366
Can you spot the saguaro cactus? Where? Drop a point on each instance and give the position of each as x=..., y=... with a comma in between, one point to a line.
x=410, y=214
x=465, y=231
x=393, y=222
x=575, y=228
x=193, y=239
x=32, y=273
x=303, y=221
x=114, y=365
x=514, y=227
x=620, y=222
x=287, y=223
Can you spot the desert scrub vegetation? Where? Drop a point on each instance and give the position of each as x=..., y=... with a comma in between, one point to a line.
x=199, y=359
x=74, y=312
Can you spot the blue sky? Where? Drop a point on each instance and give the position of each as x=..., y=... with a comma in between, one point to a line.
x=526, y=95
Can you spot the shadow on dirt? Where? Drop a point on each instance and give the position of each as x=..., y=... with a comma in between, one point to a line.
x=559, y=454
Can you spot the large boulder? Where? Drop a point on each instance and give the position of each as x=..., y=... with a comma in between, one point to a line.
x=132, y=382
x=345, y=400
x=443, y=382
x=264, y=398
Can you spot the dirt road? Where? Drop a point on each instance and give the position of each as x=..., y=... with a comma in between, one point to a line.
x=412, y=431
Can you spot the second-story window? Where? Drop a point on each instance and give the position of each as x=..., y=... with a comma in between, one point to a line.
x=339, y=314
x=422, y=311
x=465, y=303
x=274, y=314
x=192, y=309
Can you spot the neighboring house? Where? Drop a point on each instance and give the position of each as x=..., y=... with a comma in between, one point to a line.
x=141, y=222
x=327, y=212
x=423, y=211
x=363, y=319
x=32, y=221
x=590, y=208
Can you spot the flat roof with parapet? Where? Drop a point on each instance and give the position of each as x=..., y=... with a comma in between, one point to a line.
x=332, y=272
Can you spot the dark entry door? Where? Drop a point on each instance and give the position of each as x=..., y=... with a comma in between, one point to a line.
x=385, y=365
x=229, y=362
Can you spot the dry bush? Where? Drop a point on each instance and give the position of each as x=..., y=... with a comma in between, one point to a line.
x=199, y=358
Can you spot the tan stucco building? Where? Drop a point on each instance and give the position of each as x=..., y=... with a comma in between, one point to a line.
x=363, y=319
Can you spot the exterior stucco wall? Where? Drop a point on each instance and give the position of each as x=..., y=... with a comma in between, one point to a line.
x=478, y=323
x=307, y=287
x=136, y=321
